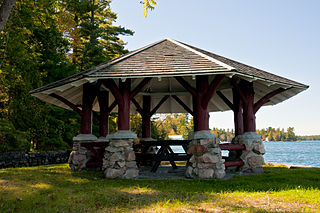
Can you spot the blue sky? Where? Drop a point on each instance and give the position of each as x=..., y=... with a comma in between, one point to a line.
x=282, y=37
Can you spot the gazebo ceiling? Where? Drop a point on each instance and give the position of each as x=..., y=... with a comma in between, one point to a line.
x=163, y=61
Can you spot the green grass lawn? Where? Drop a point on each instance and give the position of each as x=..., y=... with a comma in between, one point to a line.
x=58, y=189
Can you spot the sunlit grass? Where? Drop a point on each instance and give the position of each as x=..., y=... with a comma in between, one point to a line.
x=58, y=189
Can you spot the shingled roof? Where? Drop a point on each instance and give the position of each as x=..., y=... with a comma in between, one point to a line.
x=163, y=60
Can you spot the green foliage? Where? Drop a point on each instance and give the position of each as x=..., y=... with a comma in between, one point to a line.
x=148, y=5
x=171, y=124
x=12, y=139
x=156, y=132
x=88, y=26
x=223, y=135
x=273, y=134
x=45, y=41
x=136, y=124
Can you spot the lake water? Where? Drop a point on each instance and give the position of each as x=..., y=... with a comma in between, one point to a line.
x=298, y=153
x=305, y=153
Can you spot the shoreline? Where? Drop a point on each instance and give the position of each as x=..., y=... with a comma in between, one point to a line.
x=290, y=166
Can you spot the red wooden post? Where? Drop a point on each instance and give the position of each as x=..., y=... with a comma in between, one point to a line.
x=103, y=98
x=201, y=115
x=201, y=97
x=249, y=120
x=146, y=117
x=245, y=91
x=124, y=105
x=146, y=113
x=237, y=112
x=89, y=94
x=230, y=146
x=233, y=163
x=123, y=96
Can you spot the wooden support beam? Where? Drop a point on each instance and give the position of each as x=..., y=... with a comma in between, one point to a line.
x=186, y=85
x=112, y=106
x=123, y=96
x=182, y=104
x=225, y=100
x=136, y=90
x=110, y=84
x=266, y=98
x=211, y=89
x=230, y=146
x=238, y=89
x=146, y=116
x=249, y=120
x=159, y=104
x=233, y=163
x=124, y=105
x=66, y=102
x=103, y=99
x=201, y=114
x=237, y=113
x=139, y=109
x=201, y=96
x=89, y=93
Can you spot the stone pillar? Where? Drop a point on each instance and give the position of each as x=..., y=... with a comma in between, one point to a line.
x=206, y=161
x=253, y=155
x=80, y=155
x=119, y=158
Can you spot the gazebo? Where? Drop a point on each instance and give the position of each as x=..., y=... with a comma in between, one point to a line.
x=168, y=77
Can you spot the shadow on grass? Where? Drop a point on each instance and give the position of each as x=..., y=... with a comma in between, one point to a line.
x=58, y=189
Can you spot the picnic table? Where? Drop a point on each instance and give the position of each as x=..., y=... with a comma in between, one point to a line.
x=165, y=153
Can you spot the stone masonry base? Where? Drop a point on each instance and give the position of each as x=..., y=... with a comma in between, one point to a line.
x=206, y=161
x=119, y=158
x=79, y=156
x=253, y=155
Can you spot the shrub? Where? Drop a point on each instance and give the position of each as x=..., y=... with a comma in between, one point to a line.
x=12, y=139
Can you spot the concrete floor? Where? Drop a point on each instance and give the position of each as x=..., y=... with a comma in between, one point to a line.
x=167, y=172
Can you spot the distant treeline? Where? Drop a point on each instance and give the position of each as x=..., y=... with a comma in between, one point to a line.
x=267, y=134
x=309, y=138
x=272, y=134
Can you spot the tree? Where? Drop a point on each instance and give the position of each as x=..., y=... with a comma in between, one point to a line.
x=148, y=5
x=7, y=5
x=36, y=49
x=5, y=9
x=290, y=134
x=88, y=25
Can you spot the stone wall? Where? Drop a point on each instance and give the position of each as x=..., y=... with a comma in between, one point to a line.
x=206, y=160
x=20, y=159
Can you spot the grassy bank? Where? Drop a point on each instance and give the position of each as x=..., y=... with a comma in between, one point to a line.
x=58, y=189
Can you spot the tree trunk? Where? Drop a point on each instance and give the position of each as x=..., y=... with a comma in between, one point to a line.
x=5, y=10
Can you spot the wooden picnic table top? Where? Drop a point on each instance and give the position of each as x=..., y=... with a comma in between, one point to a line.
x=165, y=142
